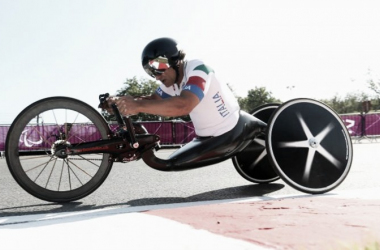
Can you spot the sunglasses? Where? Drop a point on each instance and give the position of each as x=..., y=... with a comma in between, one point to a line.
x=154, y=72
x=156, y=66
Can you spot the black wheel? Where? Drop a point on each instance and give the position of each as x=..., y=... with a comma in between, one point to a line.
x=309, y=146
x=41, y=128
x=252, y=163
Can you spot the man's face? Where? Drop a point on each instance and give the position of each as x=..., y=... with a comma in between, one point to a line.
x=167, y=77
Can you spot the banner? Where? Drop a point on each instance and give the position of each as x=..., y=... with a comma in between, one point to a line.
x=362, y=125
x=171, y=132
x=41, y=137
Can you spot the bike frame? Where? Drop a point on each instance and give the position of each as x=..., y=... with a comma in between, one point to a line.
x=122, y=145
x=132, y=142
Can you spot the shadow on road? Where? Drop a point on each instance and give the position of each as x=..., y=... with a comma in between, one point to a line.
x=221, y=194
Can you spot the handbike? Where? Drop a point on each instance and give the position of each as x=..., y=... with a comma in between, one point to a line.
x=302, y=141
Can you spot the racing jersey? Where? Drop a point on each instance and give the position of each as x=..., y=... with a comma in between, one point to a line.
x=218, y=110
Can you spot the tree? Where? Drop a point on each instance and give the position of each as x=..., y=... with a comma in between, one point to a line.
x=256, y=97
x=375, y=86
x=142, y=87
x=351, y=103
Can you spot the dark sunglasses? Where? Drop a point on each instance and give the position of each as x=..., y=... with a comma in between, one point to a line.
x=156, y=66
x=154, y=72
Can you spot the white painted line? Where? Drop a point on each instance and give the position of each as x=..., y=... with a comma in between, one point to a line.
x=116, y=231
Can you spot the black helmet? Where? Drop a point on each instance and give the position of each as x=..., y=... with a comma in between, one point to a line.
x=159, y=55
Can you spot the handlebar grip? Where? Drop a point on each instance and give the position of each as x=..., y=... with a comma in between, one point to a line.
x=126, y=122
x=103, y=97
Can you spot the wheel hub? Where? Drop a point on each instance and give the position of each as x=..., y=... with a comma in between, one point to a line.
x=313, y=142
x=58, y=148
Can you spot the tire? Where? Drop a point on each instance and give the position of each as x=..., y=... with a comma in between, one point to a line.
x=253, y=163
x=309, y=146
x=44, y=125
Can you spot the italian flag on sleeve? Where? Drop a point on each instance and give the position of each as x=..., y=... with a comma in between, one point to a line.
x=197, y=83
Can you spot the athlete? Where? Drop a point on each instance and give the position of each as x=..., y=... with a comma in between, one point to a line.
x=187, y=88
x=191, y=88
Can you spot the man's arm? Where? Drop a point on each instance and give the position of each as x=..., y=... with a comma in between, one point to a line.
x=174, y=106
x=154, y=96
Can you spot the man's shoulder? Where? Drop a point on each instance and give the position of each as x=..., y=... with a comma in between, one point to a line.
x=196, y=64
x=191, y=64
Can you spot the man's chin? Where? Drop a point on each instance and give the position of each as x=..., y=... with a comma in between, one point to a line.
x=166, y=83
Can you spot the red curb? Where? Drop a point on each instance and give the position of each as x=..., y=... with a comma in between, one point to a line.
x=293, y=223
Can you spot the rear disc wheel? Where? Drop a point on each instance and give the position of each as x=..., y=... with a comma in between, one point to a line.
x=309, y=146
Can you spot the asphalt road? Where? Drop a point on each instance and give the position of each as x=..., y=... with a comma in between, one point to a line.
x=135, y=184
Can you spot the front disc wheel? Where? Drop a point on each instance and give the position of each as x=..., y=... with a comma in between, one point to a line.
x=253, y=163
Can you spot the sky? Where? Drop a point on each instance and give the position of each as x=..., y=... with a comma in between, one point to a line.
x=83, y=48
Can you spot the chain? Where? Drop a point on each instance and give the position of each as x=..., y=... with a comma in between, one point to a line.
x=73, y=158
x=124, y=160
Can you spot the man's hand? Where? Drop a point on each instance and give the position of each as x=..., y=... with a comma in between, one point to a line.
x=126, y=105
